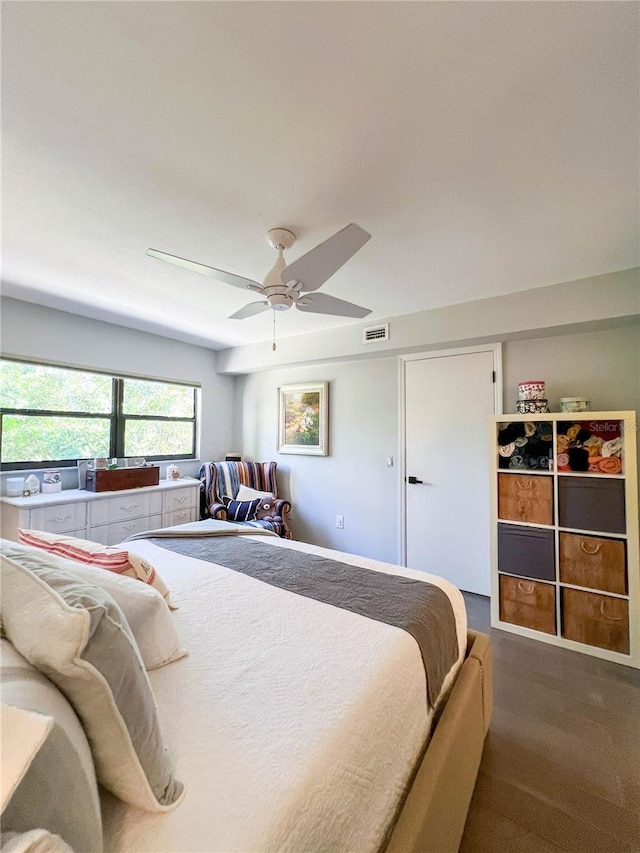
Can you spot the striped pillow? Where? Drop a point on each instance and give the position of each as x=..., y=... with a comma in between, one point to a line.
x=241, y=510
x=93, y=554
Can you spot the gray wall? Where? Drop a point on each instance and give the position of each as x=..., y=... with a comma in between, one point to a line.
x=354, y=480
x=39, y=333
x=604, y=366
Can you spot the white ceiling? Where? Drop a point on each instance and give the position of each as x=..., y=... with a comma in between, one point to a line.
x=488, y=147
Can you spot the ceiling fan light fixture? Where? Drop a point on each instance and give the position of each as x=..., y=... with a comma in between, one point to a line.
x=280, y=301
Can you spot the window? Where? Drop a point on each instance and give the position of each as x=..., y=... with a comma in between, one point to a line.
x=55, y=416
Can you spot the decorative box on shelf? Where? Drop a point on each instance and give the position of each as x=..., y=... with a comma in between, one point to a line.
x=116, y=479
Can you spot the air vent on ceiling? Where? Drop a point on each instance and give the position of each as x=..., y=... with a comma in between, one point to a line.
x=375, y=333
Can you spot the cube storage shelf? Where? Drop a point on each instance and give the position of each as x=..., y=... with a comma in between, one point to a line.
x=565, y=543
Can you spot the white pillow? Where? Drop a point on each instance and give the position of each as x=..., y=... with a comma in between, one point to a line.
x=144, y=608
x=34, y=841
x=74, y=633
x=247, y=494
x=59, y=791
x=23, y=733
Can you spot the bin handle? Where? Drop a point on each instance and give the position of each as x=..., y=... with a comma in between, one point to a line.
x=522, y=586
x=610, y=618
x=521, y=483
x=585, y=547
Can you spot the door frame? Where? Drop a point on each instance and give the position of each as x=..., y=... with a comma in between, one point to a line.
x=496, y=350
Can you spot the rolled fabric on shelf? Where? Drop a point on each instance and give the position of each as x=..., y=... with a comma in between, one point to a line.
x=573, y=431
x=508, y=434
x=578, y=459
x=610, y=465
x=612, y=447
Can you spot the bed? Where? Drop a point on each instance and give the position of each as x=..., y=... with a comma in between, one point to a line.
x=300, y=725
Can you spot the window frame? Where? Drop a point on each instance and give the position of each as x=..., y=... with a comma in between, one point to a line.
x=116, y=417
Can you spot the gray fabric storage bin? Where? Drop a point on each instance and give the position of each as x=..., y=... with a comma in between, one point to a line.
x=591, y=503
x=526, y=551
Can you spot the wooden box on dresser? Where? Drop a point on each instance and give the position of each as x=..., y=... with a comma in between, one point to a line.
x=564, y=544
x=105, y=517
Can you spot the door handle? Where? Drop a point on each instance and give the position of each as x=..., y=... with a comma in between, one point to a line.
x=413, y=480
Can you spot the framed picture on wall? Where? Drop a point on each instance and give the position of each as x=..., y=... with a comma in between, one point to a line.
x=303, y=418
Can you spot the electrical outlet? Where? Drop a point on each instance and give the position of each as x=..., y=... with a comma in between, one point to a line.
x=340, y=522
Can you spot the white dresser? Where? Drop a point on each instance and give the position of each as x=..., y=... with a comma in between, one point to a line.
x=106, y=517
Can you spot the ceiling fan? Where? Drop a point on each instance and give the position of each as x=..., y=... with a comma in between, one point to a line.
x=288, y=285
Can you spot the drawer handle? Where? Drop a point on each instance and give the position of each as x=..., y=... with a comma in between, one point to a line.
x=129, y=508
x=129, y=526
x=180, y=500
x=524, y=484
x=606, y=616
x=59, y=519
x=182, y=514
x=584, y=547
x=527, y=588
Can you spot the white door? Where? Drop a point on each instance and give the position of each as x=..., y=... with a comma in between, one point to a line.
x=448, y=403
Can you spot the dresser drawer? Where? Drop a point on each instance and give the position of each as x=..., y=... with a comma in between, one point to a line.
x=596, y=620
x=61, y=518
x=175, y=499
x=118, y=531
x=522, y=497
x=125, y=506
x=180, y=516
x=593, y=562
x=528, y=603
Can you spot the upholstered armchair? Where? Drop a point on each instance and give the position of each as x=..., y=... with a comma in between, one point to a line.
x=220, y=482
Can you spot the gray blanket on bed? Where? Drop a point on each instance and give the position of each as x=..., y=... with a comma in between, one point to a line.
x=416, y=606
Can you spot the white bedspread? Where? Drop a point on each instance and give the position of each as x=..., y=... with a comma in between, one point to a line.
x=295, y=725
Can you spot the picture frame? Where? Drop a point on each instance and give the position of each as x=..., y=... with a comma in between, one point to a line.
x=303, y=419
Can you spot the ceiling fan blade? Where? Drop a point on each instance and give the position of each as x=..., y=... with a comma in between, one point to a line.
x=323, y=303
x=249, y=310
x=203, y=269
x=319, y=264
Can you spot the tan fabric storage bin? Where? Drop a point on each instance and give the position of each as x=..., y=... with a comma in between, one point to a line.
x=530, y=604
x=593, y=562
x=596, y=620
x=522, y=497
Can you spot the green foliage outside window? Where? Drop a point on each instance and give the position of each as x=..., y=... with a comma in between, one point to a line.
x=36, y=386
x=58, y=415
x=157, y=398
